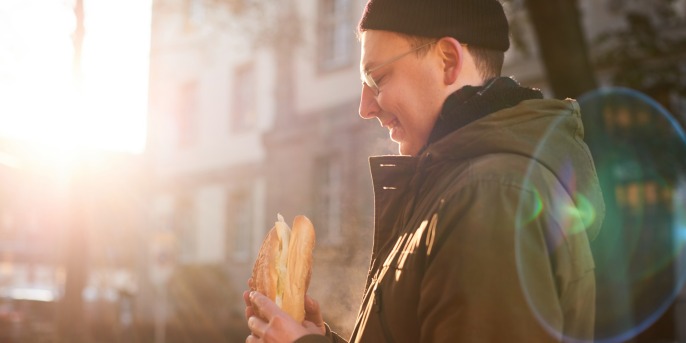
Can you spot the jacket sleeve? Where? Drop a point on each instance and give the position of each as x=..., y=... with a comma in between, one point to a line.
x=488, y=277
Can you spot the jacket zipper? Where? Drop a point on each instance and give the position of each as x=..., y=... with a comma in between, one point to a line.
x=382, y=319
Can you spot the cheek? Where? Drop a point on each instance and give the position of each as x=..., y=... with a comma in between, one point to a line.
x=415, y=99
x=428, y=85
x=428, y=104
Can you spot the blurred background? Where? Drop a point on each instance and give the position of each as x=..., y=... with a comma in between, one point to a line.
x=146, y=147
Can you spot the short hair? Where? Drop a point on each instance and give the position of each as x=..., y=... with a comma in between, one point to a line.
x=489, y=62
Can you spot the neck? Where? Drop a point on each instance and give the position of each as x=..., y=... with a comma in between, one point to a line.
x=471, y=79
x=469, y=74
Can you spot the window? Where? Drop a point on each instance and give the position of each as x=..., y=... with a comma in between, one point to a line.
x=195, y=12
x=327, y=199
x=239, y=225
x=186, y=125
x=184, y=227
x=336, y=34
x=244, y=110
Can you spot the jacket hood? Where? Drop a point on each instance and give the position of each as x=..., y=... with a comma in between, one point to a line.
x=548, y=131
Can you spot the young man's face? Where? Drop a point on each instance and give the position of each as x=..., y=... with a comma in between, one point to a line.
x=410, y=93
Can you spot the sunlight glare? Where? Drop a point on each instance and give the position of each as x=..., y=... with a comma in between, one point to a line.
x=41, y=104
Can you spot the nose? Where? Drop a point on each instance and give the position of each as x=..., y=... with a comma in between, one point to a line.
x=369, y=107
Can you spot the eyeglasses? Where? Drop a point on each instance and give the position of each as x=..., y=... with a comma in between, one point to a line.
x=367, y=75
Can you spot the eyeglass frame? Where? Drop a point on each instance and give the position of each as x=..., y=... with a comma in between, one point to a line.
x=367, y=78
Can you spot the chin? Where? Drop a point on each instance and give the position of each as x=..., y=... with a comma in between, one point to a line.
x=405, y=150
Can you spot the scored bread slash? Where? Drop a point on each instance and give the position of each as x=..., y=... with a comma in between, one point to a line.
x=284, y=234
x=283, y=267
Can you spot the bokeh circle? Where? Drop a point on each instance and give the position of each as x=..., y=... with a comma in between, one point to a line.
x=639, y=151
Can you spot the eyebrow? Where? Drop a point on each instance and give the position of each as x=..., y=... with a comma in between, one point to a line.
x=372, y=65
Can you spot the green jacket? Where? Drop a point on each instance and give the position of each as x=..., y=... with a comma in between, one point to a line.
x=484, y=237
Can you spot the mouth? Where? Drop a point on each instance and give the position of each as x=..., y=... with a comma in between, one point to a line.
x=390, y=124
x=394, y=129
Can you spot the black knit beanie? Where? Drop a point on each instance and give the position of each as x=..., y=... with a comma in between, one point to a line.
x=480, y=23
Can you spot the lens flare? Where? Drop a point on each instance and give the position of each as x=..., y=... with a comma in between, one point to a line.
x=584, y=210
x=535, y=210
x=639, y=152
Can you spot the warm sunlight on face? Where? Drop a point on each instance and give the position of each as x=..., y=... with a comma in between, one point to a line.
x=40, y=103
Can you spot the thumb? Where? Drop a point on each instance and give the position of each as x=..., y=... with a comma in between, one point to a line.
x=313, y=313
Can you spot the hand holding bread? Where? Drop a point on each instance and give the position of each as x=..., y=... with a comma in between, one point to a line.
x=283, y=267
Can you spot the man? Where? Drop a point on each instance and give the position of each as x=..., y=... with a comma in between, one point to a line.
x=482, y=223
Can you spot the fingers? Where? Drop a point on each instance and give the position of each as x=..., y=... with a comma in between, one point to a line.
x=248, y=305
x=280, y=329
x=270, y=324
x=264, y=306
x=257, y=326
x=311, y=305
x=313, y=314
x=246, y=298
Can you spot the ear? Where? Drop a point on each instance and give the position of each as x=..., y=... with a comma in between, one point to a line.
x=451, y=54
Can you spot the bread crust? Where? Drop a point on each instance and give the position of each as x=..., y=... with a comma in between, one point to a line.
x=298, y=265
x=264, y=273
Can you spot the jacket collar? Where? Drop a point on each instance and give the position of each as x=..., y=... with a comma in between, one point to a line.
x=470, y=103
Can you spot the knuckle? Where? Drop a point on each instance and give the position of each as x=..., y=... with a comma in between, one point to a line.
x=277, y=322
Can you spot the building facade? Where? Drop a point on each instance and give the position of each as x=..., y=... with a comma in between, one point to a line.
x=243, y=127
x=249, y=118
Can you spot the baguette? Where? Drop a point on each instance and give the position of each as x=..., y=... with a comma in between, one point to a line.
x=283, y=267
